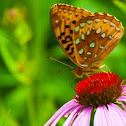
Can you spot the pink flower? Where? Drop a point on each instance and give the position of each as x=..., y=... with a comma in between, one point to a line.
x=100, y=101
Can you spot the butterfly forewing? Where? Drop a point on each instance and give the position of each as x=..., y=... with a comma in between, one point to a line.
x=63, y=19
x=96, y=39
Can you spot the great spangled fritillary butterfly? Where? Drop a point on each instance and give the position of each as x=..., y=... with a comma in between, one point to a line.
x=86, y=38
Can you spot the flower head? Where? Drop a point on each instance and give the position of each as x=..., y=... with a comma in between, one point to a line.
x=100, y=100
x=99, y=89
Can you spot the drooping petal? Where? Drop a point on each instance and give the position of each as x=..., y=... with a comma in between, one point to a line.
x=73, y=115
x=101, y=117
x=65, y=112
x=83, y=118
x=117, y=115
x=64, y=107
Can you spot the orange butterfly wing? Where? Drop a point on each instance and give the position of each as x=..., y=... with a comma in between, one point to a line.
x=86, y=38
x=96, y=39
x=63, y=19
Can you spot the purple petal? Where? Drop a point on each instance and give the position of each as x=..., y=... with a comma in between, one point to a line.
x=68, y=105
x=117, y=115
x=83, y=118
x=65, y=112
x=86, y=119
x=121, y=98
x=124, y=86
x=121, y=113
x=124, y=91
x=113, y=116
x=70, y=119
x=101, y=117
x=108, y=116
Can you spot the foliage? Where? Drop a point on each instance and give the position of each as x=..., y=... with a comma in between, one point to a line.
x=31, y=89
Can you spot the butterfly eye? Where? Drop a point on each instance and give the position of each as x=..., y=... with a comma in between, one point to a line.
x=79, y=73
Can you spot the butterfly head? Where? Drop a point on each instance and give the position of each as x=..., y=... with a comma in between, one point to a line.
x=80, y=72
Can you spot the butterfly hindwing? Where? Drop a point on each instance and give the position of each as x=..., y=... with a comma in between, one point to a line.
x=96, y=39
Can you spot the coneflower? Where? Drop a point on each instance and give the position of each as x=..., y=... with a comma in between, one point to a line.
x=100, y=101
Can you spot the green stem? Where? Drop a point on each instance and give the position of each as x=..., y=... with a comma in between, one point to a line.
x=31, y=105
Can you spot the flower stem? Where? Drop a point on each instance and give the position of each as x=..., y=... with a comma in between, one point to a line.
x=31, y=106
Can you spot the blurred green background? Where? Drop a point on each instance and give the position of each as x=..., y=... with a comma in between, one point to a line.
x=31, y=89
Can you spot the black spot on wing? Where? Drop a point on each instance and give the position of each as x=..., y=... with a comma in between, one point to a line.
x=59, y=37
x=67, y=26
x=76, y=15
x=74, y=22
x=63, y=33
x=72, y=50
x=71, y=31
x=67, y=39
x=68, y=47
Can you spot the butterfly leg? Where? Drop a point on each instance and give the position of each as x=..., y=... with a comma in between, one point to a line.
x=72, y=82
x=123, y=82
x=87, y=75
x=105, y=67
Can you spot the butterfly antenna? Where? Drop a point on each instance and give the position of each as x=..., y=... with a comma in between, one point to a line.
x=60, y=62
x=6, y=117
x=64, y=71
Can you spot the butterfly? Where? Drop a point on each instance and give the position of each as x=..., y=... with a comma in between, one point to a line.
x=86, y=38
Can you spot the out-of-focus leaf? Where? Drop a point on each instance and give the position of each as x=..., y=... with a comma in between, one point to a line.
x=9, y=60
x=121, y=5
